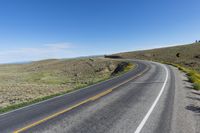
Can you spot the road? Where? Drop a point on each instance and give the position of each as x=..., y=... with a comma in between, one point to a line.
x=139, y=101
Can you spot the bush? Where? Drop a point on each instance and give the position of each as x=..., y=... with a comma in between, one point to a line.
x=197, y=86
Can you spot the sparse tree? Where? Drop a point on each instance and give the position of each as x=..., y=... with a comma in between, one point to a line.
x=178, y=55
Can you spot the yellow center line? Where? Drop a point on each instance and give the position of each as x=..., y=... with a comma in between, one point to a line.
x=50, y=117
x=64, y=111
x=93, y=98
x=101, y=95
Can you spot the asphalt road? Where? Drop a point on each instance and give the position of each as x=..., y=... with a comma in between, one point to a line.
x=140, y=101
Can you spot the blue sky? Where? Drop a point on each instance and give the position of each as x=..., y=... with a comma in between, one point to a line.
x=40, y=29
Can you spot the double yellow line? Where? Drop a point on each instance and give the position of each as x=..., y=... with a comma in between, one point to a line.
x=93, y=98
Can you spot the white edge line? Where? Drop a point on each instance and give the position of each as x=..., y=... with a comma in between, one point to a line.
x=136, y=66
x=141, y=125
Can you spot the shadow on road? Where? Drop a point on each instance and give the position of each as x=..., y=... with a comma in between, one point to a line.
x=196, y=93
x=193, y=108
x=190, y=87
x=194, y=98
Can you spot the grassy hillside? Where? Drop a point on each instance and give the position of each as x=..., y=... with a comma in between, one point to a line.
x=185, y=57
x=36, y=81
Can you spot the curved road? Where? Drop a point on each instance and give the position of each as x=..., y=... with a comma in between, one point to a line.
x=140, y=101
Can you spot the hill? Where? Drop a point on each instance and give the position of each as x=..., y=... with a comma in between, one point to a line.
x=185, y=57
x=32, y=82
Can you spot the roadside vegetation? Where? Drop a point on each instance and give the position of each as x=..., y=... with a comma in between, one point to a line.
x=24, y=84
x=193, y=76
x=185, y=57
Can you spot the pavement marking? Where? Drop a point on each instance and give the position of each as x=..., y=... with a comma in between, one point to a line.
x=93, y=98
x=141, y=125
x=101, y=95
x=65, y=110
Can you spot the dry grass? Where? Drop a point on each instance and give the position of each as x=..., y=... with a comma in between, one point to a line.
x=37, y=80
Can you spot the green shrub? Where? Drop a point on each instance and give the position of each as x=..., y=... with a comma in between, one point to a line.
x=197, y=86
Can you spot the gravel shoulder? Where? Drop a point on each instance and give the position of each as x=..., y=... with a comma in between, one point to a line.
x=186, y=114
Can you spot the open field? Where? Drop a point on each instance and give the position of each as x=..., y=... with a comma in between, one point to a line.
x=22, y=84
x=185, y=57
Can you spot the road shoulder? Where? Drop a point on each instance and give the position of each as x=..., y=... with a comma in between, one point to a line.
x=186, y=105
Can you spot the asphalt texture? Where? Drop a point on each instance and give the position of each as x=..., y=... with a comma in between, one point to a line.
x=120, y=111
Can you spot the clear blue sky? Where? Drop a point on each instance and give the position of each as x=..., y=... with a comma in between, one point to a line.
x=39, y=29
